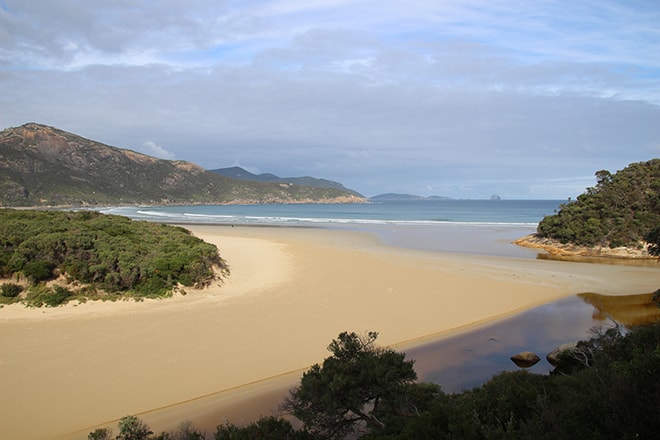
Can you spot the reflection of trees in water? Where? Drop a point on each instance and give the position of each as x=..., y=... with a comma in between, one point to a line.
x=628, y=310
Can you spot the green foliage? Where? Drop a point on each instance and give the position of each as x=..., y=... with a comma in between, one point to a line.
x=622, y=210
x=41, y=295
x=357, y=387
x=132, y=428
x=37, y=271
x=653, y=239
x=266, y=428
x=10, y=290
x=111, y=253
x=100, y=434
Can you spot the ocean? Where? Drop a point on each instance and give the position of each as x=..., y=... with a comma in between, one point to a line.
x=414, y=212
x=484, y=227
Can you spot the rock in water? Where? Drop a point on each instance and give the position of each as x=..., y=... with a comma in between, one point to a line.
x=525, y=359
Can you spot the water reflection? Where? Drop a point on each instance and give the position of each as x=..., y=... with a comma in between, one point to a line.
x=466, y=361
x=639, y=262
x=628, y=310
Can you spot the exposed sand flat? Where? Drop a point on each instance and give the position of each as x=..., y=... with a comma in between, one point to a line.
x=207, y=356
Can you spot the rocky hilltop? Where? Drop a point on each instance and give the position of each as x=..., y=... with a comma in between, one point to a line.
x=45, y=166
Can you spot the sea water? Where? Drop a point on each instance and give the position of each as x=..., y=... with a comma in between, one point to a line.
x=484, y=227
x=414, y=212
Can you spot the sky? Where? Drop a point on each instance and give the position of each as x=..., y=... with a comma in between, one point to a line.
x=458, y=98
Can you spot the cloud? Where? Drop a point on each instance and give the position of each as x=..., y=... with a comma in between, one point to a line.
x=150, y=148
x=467, y=98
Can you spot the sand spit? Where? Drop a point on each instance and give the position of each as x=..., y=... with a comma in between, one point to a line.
x=229, y=352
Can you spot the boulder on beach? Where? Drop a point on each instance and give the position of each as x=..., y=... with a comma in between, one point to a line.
x=525, y=359
x=553, y=356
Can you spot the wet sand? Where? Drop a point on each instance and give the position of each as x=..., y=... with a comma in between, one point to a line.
x=231, y=351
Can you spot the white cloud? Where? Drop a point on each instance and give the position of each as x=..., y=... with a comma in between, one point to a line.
x=152, y=149
x=454, y=95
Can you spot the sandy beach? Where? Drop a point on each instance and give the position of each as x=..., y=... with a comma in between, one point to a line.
x=229, y=352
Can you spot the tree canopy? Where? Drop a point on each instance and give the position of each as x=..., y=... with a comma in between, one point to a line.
x=623, y=209
x=354, y=388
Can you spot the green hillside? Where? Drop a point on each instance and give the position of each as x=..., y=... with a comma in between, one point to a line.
x=45, y=166
x=242, y=174
x=623, y=209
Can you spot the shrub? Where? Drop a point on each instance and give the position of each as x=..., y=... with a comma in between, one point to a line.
x=10, y=290
x=41, y=295
x=100, y=434
x=132, y=428
x=37, y=271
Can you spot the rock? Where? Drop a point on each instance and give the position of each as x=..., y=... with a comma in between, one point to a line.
x=556, y=248
x=525, y=359
x=553, y=356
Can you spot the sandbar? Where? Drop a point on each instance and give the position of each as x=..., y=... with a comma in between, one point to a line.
x=231, y=351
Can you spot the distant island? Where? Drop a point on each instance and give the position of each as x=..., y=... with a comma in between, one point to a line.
x=619, y=217
x=394, y=197
x=46, y=166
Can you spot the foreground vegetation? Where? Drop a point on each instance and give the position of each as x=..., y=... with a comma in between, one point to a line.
x=606, y=388
x=623, y=209
x=51, y=257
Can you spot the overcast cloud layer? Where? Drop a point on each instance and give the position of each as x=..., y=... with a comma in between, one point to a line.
x=459, y=98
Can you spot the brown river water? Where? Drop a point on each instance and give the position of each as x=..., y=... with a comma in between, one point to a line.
x=467, y=360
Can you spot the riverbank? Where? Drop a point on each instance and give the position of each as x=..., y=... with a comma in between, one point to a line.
x=555, y=247
x=212, y=355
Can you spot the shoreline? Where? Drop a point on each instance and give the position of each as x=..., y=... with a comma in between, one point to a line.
x=556, y=248
x=209, y=356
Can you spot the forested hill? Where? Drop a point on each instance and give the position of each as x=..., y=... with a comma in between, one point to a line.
x=42, y=166
x=242, y=174
x=622, y=210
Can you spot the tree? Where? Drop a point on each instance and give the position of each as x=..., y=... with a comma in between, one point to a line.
x=37, y=271
x=621, y=210
x=100, y=434
x=357, y=387
x=266, y=428
x=653, y=239
x=132, y=428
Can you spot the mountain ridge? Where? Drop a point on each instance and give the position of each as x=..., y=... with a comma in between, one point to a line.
x=237, y=172
x=46, y=166
x=396, y=197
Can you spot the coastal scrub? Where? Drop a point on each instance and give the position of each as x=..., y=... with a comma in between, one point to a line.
x=56, y=256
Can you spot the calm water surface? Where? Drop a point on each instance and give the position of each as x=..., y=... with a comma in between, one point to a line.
x=468, y=360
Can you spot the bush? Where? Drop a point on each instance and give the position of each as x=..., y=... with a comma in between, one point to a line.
x=100, y=434
x=41, y=295
x=10, y=290
x=132, y=428
x=37, y=271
